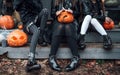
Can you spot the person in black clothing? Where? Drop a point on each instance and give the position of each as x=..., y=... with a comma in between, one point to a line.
x=6, y=7
x=0, y=7
x=93, y=13
x=64, y=30
x=34, y=18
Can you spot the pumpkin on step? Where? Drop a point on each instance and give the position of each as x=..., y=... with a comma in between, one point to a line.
x=17, y=38
x=65, y=17
x=6, y=22
x=108, y=25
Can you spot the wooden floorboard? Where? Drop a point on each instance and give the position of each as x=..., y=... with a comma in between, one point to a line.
x=93, y=51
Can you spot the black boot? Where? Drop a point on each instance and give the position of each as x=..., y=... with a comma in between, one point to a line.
x=81, y=42
x=53, y=63
x=107, y=42
x=73, y=65
x=32, y=65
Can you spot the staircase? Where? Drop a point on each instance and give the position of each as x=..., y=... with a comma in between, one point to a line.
x=94, y=49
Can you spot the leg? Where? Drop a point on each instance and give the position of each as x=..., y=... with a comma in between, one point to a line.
x=107, y=42
x=52, y=57
x=41, y=22
x=84, y=28
x=72, y=43
x=31, y=65
x=54, y=48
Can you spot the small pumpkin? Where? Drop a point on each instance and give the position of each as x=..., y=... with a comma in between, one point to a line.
x=65, y=17
x=108, y=25
x=17, y=38
x=6, y=22
x=20, y=25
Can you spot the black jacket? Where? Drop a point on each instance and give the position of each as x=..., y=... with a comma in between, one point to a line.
x=28, y=9
x=92, y=9
x=76, y=8
x=6, y=8
x=0, y=7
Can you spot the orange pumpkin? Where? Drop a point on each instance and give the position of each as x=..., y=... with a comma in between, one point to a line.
x=17, y=38
x=6, y=22
x=65, y=17
x=108, y=25
x=20, y=26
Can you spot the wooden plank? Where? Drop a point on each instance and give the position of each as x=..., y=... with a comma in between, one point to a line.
x=91, y=52
x=95, y=37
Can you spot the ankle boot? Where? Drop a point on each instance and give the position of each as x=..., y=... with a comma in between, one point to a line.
x=32, y=65
x=73, y=64
x=53, y=63
x=107, y=42
x=81, y=42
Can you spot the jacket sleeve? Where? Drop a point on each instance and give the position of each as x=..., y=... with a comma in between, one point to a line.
x=54, y=9
x=76, y=9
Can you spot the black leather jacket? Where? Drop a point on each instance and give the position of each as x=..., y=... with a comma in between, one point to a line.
x=76, y=8
x=6, y=7
x=28, y=8
x=93, y=9
x=0, y=7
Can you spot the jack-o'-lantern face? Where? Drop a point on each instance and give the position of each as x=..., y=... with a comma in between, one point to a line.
x=65, y=17
x=17, y=38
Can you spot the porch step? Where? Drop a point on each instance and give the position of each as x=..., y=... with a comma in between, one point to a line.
x=93, y=51
x=94, y=36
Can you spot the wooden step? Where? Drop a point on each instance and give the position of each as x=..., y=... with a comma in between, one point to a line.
x=93, y=51
x=95, y=37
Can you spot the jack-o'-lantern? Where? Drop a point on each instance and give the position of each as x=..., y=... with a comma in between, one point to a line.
x=6, y=22
x=65, y=17
x=17, y=38
x=108, y=25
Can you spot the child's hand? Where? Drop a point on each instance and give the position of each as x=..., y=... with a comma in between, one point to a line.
x=58, y=12
x=108, y=19
x=69, y=10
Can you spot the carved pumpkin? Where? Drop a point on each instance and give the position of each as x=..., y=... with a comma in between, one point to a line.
x=65, y=17
x=108, y=25
x=17, y=38
x=6, y=22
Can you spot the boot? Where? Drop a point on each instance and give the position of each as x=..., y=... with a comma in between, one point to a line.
x=107, y=42
x=81, y=42
x=73, y=65
x=32, y=65
x=53, y=63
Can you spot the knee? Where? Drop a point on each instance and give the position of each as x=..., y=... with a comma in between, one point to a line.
x=33, y=29
x=93, y=21
x=88, y=18
x=45, y=12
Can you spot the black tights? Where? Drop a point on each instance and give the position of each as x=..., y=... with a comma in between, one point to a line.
x=33, y=43
x=40, y=21
x=70, y=33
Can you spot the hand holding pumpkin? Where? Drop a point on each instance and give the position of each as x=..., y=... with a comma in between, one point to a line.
x=69, y=10
x=59, y=12
x=108, y=24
